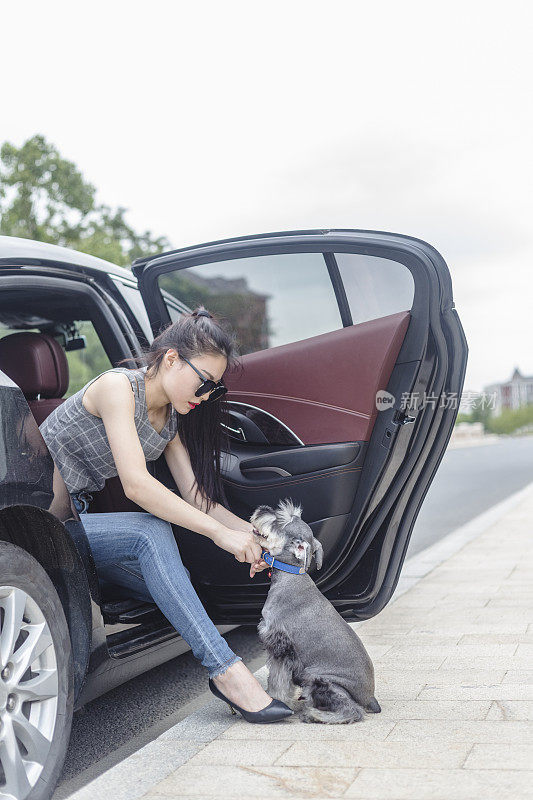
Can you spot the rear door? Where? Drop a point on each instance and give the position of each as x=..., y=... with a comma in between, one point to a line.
x=353, y=363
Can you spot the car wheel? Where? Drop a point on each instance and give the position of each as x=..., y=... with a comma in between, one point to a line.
x=36, y=678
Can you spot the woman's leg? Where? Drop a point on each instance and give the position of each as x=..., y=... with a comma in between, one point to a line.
x=127, y=574
x=138, y=540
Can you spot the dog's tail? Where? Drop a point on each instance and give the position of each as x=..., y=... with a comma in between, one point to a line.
x=329, y=703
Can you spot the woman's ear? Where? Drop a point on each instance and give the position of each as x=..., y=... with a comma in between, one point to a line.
x=318, y=552
x=171, y=355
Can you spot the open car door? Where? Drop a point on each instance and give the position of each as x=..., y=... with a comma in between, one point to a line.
x=354, y=360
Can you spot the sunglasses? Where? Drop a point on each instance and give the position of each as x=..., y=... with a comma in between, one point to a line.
x=216, y=390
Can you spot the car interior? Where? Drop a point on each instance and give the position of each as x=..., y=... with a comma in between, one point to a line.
x=46, y=349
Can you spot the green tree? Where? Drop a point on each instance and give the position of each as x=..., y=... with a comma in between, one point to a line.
x=481, y=414
x=507, y=422
x=45, y=197
x=511, y=420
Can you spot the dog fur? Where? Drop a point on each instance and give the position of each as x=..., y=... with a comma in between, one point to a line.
x=317, y=664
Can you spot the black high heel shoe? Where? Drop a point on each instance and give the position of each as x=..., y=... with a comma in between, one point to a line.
x=275, y=711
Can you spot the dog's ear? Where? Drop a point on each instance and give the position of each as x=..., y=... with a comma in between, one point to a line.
x=270, y=533
x=263, y=518
x=318, y=552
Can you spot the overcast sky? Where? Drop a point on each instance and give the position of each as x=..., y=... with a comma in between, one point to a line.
x=209, y=120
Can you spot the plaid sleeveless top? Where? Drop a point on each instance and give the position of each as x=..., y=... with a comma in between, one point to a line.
x=78, y=443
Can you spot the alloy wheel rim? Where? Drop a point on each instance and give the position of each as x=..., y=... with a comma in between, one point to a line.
x=29, y=688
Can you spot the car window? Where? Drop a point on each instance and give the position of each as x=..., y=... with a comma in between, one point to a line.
x=375, y=287
x=268, y=300
x=83, y=364
x=87, y=363
x=135, y=303
x=4, y=331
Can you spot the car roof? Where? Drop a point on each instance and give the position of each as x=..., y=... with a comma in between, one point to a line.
x=16, y=251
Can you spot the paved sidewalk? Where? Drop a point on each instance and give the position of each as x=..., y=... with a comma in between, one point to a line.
x=453, y=657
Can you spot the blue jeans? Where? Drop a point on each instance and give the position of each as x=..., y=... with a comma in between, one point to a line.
x=139, y=551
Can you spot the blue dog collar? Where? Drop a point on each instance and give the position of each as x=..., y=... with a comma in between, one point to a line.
x=265, y=555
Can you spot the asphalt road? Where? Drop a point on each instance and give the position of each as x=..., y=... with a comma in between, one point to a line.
x=468, y=482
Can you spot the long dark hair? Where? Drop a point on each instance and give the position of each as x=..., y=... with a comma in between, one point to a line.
x=201, y=433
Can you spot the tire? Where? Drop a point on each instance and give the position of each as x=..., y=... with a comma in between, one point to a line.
x=36, y=716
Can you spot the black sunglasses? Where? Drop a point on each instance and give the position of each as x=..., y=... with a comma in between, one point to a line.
x=216, y=390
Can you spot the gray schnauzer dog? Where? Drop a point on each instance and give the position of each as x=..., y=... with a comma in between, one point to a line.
x=312, y=651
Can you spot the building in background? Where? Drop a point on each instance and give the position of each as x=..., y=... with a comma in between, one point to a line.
x=514, y=393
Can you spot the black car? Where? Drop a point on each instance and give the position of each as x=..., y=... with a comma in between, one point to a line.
x=354, y=360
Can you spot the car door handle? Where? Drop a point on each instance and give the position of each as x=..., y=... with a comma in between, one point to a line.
x=277, y=470
x=238, y=432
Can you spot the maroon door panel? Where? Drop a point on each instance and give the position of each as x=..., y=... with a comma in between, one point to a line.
x=334, y=399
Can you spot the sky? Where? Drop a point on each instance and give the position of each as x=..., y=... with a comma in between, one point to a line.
x=209, y=120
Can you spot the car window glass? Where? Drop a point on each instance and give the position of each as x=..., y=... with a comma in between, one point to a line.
x=87, y=363
x=135, y=302
x=375, y=287
x=173, y=312
x=83, y=364
x=269, y=300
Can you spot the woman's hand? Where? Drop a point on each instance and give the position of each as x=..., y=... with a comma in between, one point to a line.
x=243, y=546
x=257, y=566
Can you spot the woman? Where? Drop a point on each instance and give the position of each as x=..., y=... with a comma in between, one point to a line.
x=115, y=424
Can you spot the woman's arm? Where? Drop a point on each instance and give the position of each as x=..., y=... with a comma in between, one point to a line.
x=181, y=470
x=115, y=405
x=180, y=467
x=227, y=517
